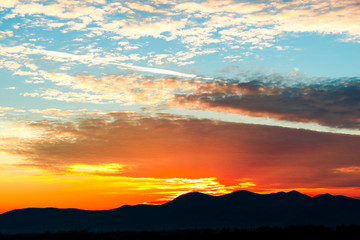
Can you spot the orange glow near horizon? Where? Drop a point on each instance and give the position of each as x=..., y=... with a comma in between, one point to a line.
x=89, y=191
x=32, y=187
x=128, y=158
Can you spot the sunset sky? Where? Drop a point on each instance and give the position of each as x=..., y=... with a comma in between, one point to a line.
x=105, y=103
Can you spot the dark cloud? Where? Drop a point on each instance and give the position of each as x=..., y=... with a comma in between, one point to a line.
x=163, y=147
x=333, y=103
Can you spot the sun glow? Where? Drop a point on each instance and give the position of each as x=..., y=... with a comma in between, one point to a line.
x=101, y=183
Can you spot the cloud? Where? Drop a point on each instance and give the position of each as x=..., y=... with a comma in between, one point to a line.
x=53, y=112
x=259, y=24
x=199, y=28
x=159, y=71
x=154, y=27
x=72, y=96
x=2, y=108
x=62, y=56
x=352, y=170
x=143, y=7
x=8, y=3
x=11, y=88
x=11, y=65
x=331, y=103
x=62, y=10
x=21, y=54
x=11, y=114
x=220, y=7
x=125, y=89
x=6, y=34
x=223, y=22
x=171, y=146
x=108, y=168
x=180, y=58
x=327, y=17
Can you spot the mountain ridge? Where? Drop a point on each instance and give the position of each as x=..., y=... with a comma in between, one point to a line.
x=194, y=210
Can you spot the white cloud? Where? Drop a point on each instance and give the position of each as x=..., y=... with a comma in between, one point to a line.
x=11, y=65
x=158, y=70
x=62, y=57
x=125, y=89
x=142, y=7
x=11, y=88
x=6, y=34
x=25, y=73
x=8, y=3
x=226, y=6
x=154, y=27
x=250, y=22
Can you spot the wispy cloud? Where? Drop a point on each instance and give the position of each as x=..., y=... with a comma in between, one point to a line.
x=126, y=89
x=84, y=58
x=328, y=102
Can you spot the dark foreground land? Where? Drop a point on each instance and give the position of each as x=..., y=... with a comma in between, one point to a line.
x=237, y=210
x=293, y=232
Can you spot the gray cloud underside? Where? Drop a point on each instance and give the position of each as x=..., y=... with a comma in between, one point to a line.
x=334, y=103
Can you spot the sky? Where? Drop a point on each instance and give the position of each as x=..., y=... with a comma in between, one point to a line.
x=105, y=103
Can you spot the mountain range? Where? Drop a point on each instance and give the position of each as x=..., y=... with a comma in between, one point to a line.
x=240, y=209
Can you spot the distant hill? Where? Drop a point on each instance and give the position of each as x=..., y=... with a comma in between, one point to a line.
x=241, y=209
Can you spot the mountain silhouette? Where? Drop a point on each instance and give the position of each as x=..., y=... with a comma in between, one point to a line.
x=240, y=209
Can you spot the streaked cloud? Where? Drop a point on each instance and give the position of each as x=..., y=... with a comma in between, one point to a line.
x=298, y=99
x=61, y=56
x=125, y=89
x=351, y=170
x=95, y=168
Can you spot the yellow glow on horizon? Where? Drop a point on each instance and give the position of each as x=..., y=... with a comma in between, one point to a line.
x=99, y=168
x=44, y=188
x=247, y=184
x=10, y=159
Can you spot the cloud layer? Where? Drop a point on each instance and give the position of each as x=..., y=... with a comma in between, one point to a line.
x=169, y=146
x=330, y=103
x=324, y=101
x=201, y=28
x=166, y=19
